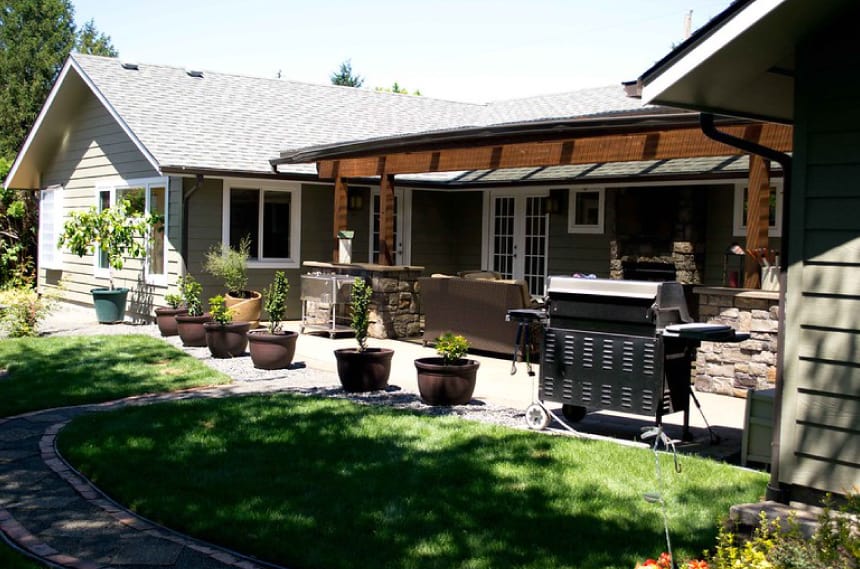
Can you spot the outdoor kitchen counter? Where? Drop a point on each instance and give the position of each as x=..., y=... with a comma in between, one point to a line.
x=732, y=369
x=395, y=308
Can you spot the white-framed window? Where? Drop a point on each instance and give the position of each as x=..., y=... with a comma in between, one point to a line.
x=740, y=209
x=586, y=210
x=270, y=214
x=147, y=195
x=50, y=227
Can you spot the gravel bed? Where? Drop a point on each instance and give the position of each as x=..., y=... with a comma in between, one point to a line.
x=72, y=320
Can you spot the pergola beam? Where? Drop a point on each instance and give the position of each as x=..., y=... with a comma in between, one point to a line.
x=654, y=145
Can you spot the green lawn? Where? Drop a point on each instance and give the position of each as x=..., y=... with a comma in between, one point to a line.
x=11, y=559
x=42, y=373
x=316, y=483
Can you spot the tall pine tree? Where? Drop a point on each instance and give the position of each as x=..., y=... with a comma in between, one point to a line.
x=36, y=36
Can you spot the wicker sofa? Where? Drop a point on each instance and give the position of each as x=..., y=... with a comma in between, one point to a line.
x=475, y=308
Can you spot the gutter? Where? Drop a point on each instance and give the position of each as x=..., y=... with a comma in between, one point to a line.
x=775, y=491
x=508, y=133
x=185, y=198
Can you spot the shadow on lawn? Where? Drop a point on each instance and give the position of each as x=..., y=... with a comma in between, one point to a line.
x=309, y=483
x=44, y=373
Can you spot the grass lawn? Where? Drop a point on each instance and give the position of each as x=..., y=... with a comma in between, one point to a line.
x=11, y=559
x=316, y=483
x=51, y=372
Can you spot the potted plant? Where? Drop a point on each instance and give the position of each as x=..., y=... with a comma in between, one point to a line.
x=448, y=379
x=190, y=325
x=118, y=232
x=165, y=316
x=362, y=368
x=231, y=266
x=272, y=347
x=224, y=337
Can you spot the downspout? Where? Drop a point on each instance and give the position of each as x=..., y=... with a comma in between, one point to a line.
x=185, y=197
x=774, y=490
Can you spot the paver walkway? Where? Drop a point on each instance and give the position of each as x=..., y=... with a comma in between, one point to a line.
x=50, y=511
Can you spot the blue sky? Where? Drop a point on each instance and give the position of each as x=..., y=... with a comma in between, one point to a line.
x=469, y=50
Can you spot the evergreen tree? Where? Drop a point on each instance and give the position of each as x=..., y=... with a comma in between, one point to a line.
x=345, y=77
x=35, y=38
x=91, y=41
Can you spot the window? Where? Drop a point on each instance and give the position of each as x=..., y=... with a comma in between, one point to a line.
x=269, y=216
x=585, y=214
x=775, y=214
x=143, y=196
x=50, y=226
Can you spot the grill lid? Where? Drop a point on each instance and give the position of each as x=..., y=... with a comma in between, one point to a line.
x=644, y=290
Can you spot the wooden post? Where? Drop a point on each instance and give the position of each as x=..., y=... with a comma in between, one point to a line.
x=758, y=217
x=386, y=220
x=340, y=214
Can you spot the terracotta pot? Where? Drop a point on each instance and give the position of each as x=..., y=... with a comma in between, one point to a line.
x=227, y=340
x=191, y=330
x=166, y=320
x=245, y=309
x=272, y=351
x=363, y=371
x=451, y=384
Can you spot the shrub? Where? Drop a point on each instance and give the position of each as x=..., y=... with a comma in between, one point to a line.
x=781, y=545
x=191, y=291
x=360, y=299
x=451, y=347
x=23, y=311
x=230, y=265
x=276, y=300
x=173, y=300
x=218, y=308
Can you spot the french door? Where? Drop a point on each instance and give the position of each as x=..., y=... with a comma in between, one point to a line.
x=517, y=240
x=401, y=227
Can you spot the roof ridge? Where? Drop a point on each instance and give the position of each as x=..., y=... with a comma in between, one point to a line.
x=297, y=82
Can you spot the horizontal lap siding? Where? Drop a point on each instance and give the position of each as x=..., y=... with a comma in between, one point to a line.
x=446, y=230
x=821, y=405
x=97, y=149
x=570, y=253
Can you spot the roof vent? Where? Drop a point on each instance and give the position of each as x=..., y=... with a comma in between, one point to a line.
x=129, y=65
x=194, y=73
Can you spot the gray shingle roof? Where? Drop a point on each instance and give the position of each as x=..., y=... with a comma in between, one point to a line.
x=237, y=123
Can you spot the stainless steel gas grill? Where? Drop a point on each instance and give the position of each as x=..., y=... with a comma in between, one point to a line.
x=619, y=345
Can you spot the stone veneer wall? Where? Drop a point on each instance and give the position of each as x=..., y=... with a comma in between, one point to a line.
x=732, y=369
x=395, y=308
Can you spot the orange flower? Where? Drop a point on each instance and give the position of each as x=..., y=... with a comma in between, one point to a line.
x=697, y=564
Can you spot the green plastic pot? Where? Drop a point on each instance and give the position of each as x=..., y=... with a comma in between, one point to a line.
x=110, y=304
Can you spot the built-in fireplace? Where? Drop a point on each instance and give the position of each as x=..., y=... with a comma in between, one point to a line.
x=658, y=233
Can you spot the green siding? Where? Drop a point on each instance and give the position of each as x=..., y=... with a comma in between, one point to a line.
x=446, y=230
x=820, y=447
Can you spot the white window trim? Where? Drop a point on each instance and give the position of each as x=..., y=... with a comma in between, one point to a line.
x=404, y=217
x=295, y=189
x=739, y=228
x=572, y=226
x=112, y=185
x=52, y=260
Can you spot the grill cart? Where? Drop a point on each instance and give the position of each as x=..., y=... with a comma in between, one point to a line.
x=617, y=345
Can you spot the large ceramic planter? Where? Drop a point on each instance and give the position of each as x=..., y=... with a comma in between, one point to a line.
x=245, y=309
x=227, y=340
x=272, y=351
x=109, y=304
x=451, y=384
x=191, y=330
x=166, y=319
x=363, y=371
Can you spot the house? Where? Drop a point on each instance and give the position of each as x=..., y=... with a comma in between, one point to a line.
x=793, y=61
x=199, y=147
